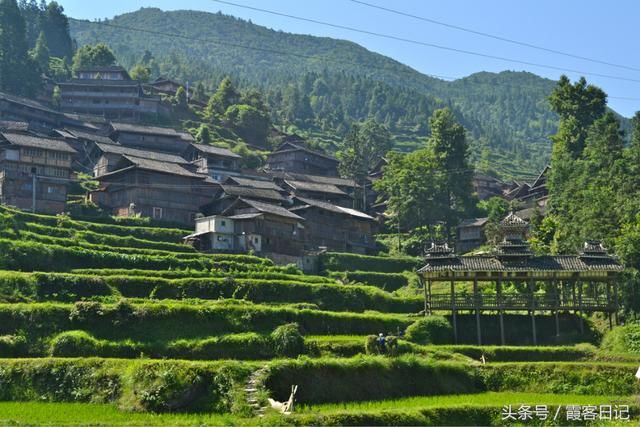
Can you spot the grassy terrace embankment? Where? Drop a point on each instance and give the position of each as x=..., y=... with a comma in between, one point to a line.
x=120, y=323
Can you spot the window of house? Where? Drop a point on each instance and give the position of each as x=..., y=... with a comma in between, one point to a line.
x=223, y=223
x=157, y=213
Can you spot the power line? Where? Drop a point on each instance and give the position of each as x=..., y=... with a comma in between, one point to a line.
x=421, y=43
x=493, y=36
x=405, y=69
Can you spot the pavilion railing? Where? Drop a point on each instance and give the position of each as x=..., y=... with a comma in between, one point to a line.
x=514, y=301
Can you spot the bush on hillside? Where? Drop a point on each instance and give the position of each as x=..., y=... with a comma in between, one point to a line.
x=430, y=330
x=622, y=339
x=386, y=281
x=335, y=261
x=287, y=340
x=73, y=344
x=13, y=346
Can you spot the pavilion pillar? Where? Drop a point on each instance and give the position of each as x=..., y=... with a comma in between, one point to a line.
x=533, y=313
x=608, y=284
x=476, y=303
x=454, y=319
x=616, y=305
x=500, y=310
x=580, y=306
x=426, y=299
x=557, y=306
x=430, y=297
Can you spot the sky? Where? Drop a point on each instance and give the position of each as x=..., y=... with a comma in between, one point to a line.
x=602, y=31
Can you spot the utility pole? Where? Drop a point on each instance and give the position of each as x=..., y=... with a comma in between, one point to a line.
x=33, y=189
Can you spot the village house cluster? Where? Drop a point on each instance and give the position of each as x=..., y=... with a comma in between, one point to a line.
x=296, y=203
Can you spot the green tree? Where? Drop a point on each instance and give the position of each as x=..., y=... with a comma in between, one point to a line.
x=411, y=189
x=40, y=53
x=99, y=55
x=56, y=96
x=225, y=96
x=55, y=25
x=181, y=101
x=204, y=134
x=451, y=151
x=365, y=144
x=19, y=74
x=140, y=72
x=249, y=123
x=578, y=106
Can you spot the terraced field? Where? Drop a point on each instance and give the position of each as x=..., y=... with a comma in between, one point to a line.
x=112, y=324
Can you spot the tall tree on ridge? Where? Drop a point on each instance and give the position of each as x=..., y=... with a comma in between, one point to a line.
x=19, y=74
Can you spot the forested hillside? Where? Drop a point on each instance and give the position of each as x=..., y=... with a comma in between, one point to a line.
x=319, y=86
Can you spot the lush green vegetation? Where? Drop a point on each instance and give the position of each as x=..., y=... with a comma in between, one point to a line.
x=308, y=96
x=334, y=261
x=134, y=321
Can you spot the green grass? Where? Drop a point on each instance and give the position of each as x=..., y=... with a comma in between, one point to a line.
x=72, y=414
x=479, y=399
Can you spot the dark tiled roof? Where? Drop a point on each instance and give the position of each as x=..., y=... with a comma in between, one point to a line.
x=252, y=192
x=334, y=180
x=91, y=137
x=99, y=82
x=331, y=208
x=26, y=140
x=156, y=166
x=106, y=68
x=255, y=183
x=150, y=130
x=286, y=147
x=144, y=154
x=271, y=209
x=473, y=222
x=570, y=263
x=218, y=151
x=315, y=187
x=27, y=102
x=8, y=125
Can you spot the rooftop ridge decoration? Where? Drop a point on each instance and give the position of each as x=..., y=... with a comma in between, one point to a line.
x=439, y=250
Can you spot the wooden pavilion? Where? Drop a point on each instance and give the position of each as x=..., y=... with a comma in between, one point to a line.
x=583, y=283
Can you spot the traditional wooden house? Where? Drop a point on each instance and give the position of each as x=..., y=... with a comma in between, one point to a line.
x=335, y=227
x=34, y=172
x=486, y=186
x=151, y=138
x=219, y=163
x=152, y=188
x=295, y=157
x=470, y=234
x=280, y=231
x=538, y=192
x=226, y=195
x=108, y=92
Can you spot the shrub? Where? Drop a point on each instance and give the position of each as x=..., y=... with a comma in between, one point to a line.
x=622, y=339
x=287, y=340
x=385, y=281
x=334, y=261
x=430, y=330
x=16, y=287
x=73, y=344
x=13, y=346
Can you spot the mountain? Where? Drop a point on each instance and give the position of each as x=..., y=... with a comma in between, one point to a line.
x=319, y=85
